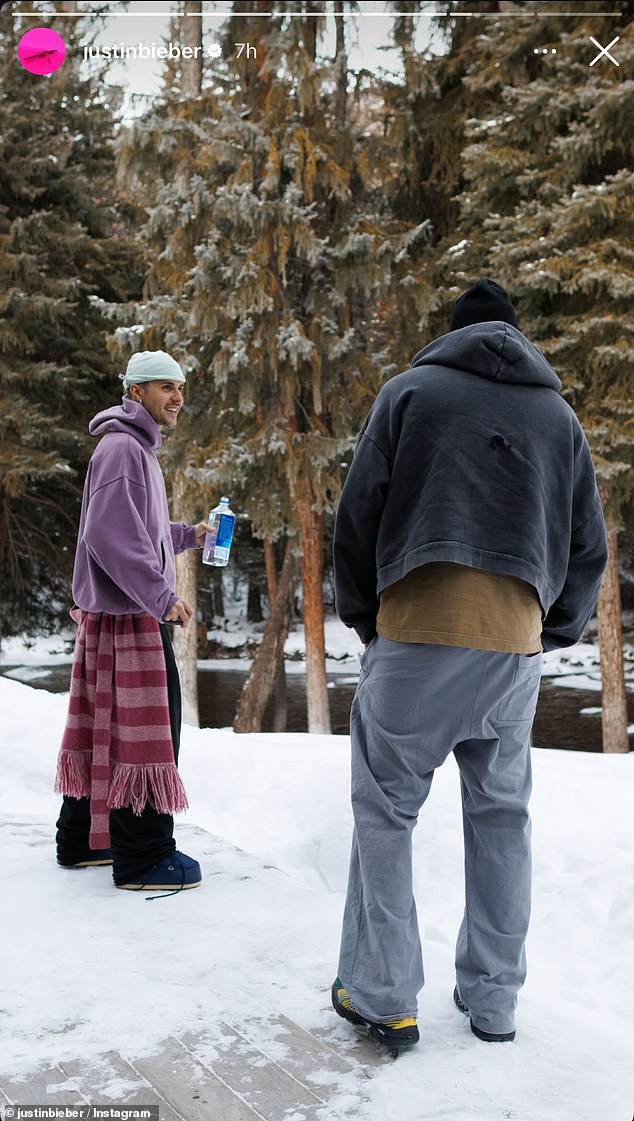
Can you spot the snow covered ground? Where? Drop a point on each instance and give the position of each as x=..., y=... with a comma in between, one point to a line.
x=87, y=969
x=576, y=667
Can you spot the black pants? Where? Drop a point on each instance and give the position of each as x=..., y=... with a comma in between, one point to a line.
x=138, y=841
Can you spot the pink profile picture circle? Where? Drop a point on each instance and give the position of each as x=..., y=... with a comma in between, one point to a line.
x=41, y=51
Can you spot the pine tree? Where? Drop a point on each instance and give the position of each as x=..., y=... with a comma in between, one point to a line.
x=62, y=252
x=280, y=262
x=547, y=208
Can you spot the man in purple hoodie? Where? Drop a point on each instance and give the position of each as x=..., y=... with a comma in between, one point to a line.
x=117, y=763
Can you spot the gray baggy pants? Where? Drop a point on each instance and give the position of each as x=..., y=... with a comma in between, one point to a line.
x=416, y=702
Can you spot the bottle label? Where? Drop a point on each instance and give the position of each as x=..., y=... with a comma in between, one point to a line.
x=224, y=536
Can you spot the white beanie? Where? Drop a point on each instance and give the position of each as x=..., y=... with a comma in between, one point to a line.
x=151, y=365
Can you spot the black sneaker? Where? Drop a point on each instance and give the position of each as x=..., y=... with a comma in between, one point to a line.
x=395, y=1034
x=487, y=1036
x=96, y=859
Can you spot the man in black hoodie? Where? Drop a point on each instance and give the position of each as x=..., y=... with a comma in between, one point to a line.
x=469, y=538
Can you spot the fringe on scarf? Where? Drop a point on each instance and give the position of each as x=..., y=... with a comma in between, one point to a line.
x=158, y=784
x=131, y=784
x=74, y=773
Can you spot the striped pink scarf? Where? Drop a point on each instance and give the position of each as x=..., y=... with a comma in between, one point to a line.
x=117, y=745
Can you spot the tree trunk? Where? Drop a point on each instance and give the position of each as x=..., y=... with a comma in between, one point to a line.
x=614, y=699
x=341, y=66
x=280, y=712
x=254, y=603
x=312, y=532
x=192, y=31
x=186, y=638
x=262, y=676
x=217, y=593
x=280, y=698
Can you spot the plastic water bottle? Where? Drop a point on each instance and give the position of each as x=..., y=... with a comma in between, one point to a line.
x=218, y=541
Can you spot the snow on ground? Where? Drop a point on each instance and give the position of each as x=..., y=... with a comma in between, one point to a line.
x=87, y=969
x=41, y=650
x=576, y=667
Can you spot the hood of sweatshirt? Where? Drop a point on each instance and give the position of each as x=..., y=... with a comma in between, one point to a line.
x=494, y=350
x=131, y=418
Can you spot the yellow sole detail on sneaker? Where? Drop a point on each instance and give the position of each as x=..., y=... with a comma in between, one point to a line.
x=343, y=998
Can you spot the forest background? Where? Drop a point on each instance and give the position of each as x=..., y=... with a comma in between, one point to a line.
x=292, y=230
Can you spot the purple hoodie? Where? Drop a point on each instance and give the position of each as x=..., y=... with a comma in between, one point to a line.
x=124, y=564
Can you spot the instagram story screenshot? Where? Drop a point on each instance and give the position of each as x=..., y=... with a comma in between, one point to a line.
x=316, y=357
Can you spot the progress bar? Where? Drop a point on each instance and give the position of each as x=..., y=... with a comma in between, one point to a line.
x=317, y=15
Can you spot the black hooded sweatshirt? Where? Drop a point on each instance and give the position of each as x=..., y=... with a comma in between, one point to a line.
x=472, y=457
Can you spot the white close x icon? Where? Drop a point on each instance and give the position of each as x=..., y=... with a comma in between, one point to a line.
x=605, y=51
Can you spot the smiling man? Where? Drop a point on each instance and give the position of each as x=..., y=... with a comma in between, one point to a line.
x=117, y=764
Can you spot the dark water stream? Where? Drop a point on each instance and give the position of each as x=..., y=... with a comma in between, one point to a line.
x=558, y=722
